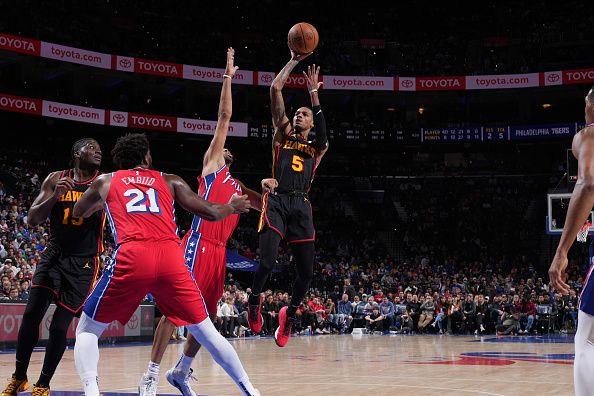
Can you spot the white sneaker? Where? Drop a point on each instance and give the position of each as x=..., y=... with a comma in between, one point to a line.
x=177, y=378
x=326, y=331
x=482, y=328
x=148, y=385
x=318, y=331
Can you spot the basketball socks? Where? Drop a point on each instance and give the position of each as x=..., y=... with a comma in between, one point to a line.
x=153, y=369
x=86, y=353
x=184, y=363
x=584, y=355
x=223, y=353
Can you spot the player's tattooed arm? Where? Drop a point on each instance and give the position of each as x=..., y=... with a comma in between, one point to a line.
x=92, y=200
x=190, y=201
x=280, y=121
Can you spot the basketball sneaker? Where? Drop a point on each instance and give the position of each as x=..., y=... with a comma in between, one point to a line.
x=15, y=386
x=180, y=380
x=255, y=317
x=283, y=331
x=148, y=385
x=40, y=391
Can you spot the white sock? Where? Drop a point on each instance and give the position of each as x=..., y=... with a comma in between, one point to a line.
x=90, y=386
x=86, y=353
x=153, y=369
x=223, y=353
x=584, y=355
x=184, y=363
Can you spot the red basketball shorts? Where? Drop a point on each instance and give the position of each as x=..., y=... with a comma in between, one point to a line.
x=139, y=268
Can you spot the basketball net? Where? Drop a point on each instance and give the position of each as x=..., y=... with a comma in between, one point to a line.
x=582, y=234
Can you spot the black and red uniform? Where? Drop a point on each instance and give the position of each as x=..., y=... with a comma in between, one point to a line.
x=70, y=263
x=287, y=211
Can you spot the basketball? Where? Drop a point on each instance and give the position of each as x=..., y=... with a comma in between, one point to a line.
x=303, y=38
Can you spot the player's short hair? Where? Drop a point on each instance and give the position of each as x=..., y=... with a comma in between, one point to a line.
x=591, y=94
x=129, y=150
x=78, y=145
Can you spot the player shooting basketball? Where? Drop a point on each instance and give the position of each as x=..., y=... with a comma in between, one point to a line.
x=286, y=210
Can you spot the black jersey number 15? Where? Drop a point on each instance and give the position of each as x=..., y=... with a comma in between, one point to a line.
x=69, y=219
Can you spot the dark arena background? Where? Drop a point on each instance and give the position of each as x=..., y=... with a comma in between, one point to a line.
x=449, y=126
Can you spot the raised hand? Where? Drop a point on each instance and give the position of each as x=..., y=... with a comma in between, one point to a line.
x=311, y=77
x=299, y=57
x=230, y=69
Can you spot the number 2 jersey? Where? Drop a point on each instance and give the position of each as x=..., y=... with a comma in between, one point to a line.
x=139, y=207
x=75, y=236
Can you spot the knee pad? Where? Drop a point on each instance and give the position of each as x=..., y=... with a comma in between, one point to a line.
x=88, y=325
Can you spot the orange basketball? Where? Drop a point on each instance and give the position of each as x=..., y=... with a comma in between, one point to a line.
x=303, y=38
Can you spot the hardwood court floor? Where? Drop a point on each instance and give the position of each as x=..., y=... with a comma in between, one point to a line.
x=351, y=365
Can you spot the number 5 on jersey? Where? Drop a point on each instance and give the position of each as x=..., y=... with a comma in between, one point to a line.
x=297, y=163
x=138, y=202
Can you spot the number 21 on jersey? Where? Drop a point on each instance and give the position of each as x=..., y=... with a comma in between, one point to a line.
x=138, y=203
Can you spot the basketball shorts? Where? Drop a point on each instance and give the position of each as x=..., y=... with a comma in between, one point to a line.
x=289, y=215
x=587, y=294
x=139, y=268
x=70, y=278
x=207, y=261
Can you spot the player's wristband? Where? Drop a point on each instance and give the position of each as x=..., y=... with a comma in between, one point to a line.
x=227, y=76
x=313, y=90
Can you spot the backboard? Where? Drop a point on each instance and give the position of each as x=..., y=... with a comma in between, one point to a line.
x=557, y=205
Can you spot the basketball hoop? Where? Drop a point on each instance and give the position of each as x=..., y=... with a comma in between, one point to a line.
x=582, y=234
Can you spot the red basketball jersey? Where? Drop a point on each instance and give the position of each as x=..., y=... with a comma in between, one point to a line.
x=218, y=187
x=139, y=207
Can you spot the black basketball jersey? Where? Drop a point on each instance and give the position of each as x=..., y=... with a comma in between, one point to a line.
x=294, y=163
x=76, y=236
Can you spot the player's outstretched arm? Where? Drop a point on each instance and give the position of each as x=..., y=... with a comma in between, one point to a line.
x=254, y=197
x=92, y=200
x=213, y=158
x=313, y=84
x=51, y=189
x=191, y=202
x=580, y=205
x=280, y=121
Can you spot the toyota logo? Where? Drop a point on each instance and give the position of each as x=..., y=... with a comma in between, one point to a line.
x=552, y=78
x=407, y=83
x=118, y=118
x=133, y=322
x=266, y=78
x=125, y=63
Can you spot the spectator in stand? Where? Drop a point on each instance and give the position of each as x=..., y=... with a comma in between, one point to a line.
x=455, y=315
x=370, y=304
x=329, y=321
x=526, y=310
x=348, y=289
x=358, y=313
x=336, y=295
x=481, y=310
x=387, y=310
x=374, y=320
x=345, y=312
x=6, y=286
x=570, y=314
x=496, y=310
x=14, y=294
x=228, y=316
x=509, y=321
x=413, y=308
x=469, y=313
x=269, y=313
x=427, y=313
x=24, y=289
